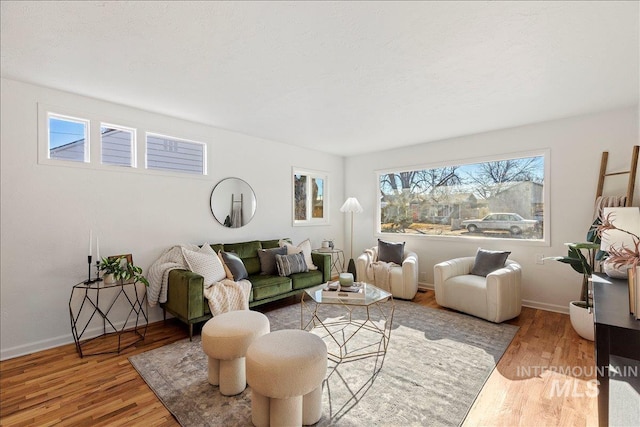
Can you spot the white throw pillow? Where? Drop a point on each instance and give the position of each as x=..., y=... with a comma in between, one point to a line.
x=206, y=263
x=304, y=247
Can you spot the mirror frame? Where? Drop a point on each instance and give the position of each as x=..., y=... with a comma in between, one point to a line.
x=224, y=192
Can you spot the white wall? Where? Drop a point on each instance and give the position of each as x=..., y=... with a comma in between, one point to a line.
x=576, y=145
x=47, y=211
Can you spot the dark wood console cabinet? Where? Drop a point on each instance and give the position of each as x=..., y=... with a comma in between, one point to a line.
x=617, y=337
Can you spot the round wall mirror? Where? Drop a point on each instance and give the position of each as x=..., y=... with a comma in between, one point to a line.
x=233, y=202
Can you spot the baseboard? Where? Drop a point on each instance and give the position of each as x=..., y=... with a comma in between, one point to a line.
x=564, y=309
x=23, y=350
x=423, y=287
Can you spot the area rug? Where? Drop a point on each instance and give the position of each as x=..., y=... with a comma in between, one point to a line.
x=435, y=365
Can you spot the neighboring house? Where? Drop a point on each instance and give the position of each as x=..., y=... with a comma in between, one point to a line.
x=524, y=198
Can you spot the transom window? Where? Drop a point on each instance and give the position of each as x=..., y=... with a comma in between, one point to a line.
x=175, y=155
x=118, y=145
x=68, y=138
x=503, y=198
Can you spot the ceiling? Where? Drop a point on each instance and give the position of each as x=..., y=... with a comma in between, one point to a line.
x=341, y=77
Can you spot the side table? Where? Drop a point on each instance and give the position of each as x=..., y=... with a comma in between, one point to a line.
x=130, y=297
x=337, y=258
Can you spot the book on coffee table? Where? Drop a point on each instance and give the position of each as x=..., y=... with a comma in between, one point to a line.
x=335, y=290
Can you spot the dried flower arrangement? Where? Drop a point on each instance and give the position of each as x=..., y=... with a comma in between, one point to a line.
x=621, y=256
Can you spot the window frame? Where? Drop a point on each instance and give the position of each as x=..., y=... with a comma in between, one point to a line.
x=174, y=171
x=546, y=197
x=44, y=152
x=133, y=148
x=311, y=174
x=97, y=119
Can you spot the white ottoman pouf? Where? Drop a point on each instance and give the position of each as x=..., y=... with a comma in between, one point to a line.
x=285, y=370
x=225, y=339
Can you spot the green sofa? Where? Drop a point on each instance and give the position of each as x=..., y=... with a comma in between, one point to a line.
x=185, y=293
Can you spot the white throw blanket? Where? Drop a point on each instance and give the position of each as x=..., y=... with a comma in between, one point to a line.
x=158, y=274
x=223, y=296
x=228, y=295
x=378, y=272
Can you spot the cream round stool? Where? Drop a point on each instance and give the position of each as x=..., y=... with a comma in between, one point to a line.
x=285, y=370
x=225, y=339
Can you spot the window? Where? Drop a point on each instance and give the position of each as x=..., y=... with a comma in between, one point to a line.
x=177, y=155
x=118, y=145
x=310, y=198
x=68, y=138
x=502, y=198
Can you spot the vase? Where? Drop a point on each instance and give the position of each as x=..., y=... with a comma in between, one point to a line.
x=619, y=272
x=581, y=319
x=109, y=279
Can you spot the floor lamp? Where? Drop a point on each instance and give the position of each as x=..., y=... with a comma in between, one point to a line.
x=351, y=205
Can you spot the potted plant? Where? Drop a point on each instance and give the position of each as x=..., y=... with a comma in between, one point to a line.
x=581, y=312
x=120, y=270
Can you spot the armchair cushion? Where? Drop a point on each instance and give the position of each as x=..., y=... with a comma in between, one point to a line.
x=496, y=297
x=488, y=261
x=403, y=278
x=390, y=252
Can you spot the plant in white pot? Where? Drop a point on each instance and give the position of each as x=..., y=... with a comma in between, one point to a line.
x=581, y=312
x=119, y=270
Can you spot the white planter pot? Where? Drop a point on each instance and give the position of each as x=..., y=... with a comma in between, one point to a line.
x=109, y=279
x=581, y=320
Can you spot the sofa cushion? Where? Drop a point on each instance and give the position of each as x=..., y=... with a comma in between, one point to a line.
x=305, y=280
x=488, y=261
x=268, y=286
x=268, y=260
x=248, y=252
x=270, y=244
x=390, y=252
x=289, y=264
x=304, y=248
x=206, y=263
x=235, y=265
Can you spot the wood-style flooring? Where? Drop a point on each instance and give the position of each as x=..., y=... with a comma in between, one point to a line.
x=545, y=378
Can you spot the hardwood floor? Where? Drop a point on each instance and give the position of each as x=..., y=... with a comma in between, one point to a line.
x=542, y=379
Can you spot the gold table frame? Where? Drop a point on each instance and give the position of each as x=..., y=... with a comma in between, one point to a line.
x=377, y=303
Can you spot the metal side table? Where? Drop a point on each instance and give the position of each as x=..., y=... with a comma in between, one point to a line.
x=100, y=301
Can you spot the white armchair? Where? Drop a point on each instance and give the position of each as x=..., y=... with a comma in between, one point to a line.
x=403, y=279
x=495, y=298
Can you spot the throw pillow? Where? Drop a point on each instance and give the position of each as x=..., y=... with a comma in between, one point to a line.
x=268, y=260
x=205, y=263
x=289, y=264
x=304, y=248
x=390, y=252
x=235, y=266
x=488, y=261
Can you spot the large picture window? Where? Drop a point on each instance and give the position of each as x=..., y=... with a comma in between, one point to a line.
x=502, y=198
x=310, y=198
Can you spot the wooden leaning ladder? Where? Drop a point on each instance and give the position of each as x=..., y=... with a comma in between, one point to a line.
x=632, y=174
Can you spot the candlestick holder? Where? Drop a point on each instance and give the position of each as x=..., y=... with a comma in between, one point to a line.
x=89, y=279
x=98, y=278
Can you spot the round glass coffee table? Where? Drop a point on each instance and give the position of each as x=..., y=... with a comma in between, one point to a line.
x=352, y=326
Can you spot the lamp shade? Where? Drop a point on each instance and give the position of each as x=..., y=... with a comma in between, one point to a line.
x=351, y=205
